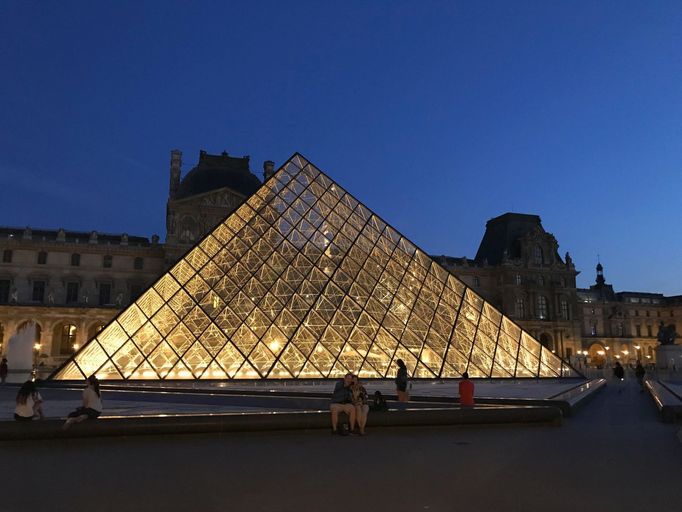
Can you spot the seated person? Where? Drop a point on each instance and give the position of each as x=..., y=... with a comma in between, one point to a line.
x=466, y=390
x=28, y=403
x=92, y=404
x=359, y=394
x=342, y=401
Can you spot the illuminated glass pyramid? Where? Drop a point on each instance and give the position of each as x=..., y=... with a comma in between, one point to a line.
x=303, y=281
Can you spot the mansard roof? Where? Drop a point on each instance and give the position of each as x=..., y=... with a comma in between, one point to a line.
x=219, y=171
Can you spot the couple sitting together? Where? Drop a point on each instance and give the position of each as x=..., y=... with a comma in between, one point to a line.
x=350, y=397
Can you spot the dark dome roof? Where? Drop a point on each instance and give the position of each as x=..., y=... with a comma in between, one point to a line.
x=217, y=171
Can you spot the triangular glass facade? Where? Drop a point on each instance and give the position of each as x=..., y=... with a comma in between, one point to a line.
x=304, y=281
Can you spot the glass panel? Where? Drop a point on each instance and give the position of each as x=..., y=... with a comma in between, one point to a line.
x=308, y=283
x=112, y=338
x=91, y=358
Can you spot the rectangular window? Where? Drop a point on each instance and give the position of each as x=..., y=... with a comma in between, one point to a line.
x=38, y=291
x=569, y=353
x=4, y=291
x=107, y=261
x=75, y=260
x=7, y=256
x=647, y=313
x=72, y=293
x=564, y=310
x=638, y=329
x=42, y=258
x=636, y=312
x=648, y=331
x=104, y=294
x=138, y=264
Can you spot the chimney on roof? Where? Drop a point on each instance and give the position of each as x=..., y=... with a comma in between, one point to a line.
x=268, y=169
x=175, y=171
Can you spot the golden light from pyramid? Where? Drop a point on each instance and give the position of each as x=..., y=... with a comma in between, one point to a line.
x=304, y=281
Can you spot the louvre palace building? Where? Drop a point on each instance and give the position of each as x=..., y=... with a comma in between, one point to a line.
x=72, y=284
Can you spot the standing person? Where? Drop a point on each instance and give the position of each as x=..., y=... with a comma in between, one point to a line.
x=466, y=390
x=3, y=370
x=639, y=373
x=401, y=382
x=92, y=404
x=359, y=394
x=29, y=403
x=342, y=401
x=619, y=374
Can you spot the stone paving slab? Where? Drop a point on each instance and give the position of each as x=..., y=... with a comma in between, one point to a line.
x=616, y=455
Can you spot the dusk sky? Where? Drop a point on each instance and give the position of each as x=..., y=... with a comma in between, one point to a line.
x=437, y=115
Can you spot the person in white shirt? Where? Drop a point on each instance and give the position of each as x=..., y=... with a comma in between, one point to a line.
x=29, y=403
x=92, y=403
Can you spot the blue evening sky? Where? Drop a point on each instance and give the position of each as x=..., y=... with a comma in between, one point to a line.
x=437, y=115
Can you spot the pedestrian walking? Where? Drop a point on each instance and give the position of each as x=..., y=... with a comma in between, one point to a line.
x=639, y=373
x=4, y=370
x=619, y=374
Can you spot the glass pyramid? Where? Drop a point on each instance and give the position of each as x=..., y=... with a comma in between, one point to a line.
x=304, y=281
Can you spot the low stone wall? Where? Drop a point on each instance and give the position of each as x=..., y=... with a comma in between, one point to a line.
x=254, y=422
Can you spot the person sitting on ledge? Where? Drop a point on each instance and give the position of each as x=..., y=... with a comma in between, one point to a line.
x=359, y=394
x=466, y=391
x=29, y=403
x=92, y=404
x=342, y=401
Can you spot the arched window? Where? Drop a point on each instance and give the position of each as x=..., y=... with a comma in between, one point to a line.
x=542, y=307
x=537, y=255
x=520, y=308
x=68, y=339
x=517, y=279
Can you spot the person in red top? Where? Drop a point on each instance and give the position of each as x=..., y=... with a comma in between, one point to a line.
x=466, y=390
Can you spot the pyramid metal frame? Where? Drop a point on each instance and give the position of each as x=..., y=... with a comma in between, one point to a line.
x=304, y=281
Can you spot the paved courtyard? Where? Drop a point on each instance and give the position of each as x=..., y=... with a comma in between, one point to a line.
x=615, y=455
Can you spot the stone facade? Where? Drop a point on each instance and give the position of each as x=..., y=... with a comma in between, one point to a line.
x=70, y=284
x=518, y=269
x=623, y=325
